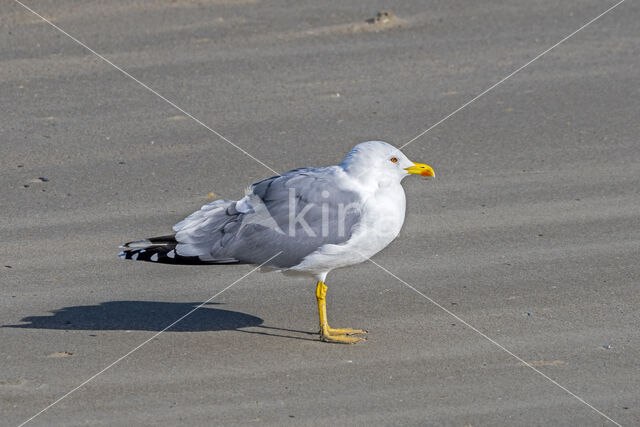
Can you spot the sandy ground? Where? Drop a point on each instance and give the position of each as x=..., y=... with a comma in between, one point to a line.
x=530, y=233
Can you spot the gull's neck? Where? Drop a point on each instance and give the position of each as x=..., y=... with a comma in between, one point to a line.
x=367, y=177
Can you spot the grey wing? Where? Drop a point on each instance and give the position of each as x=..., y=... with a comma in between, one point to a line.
x=294, y=214
x=305, y=209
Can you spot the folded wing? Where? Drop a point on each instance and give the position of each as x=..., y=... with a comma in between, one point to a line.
x=295, y=214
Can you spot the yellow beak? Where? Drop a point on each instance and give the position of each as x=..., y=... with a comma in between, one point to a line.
x=421, y=169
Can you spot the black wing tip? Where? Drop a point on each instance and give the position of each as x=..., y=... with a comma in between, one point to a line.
x=162, y=250
x=168, y=241
x=163, y=255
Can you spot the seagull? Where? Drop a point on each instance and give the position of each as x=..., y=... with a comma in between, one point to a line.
x=308, y=222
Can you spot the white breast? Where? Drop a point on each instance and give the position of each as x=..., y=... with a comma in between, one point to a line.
x=380, y=223
x=383, y=216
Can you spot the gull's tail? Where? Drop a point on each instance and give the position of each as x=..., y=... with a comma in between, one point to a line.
x=161, y=250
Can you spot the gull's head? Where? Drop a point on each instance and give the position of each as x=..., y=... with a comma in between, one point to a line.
x=382, y=161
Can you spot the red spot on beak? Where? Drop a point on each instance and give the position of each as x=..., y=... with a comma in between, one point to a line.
x=425, y=173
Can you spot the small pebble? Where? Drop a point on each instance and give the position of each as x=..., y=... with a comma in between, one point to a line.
x=607, y=346
x=8, y=266
x=382, y=17
x=43, y=179
x=528, y=313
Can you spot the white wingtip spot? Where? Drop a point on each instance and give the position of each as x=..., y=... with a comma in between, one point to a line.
x=171, y=254
x=122, y=255
x=154, y=257
x=135, y=256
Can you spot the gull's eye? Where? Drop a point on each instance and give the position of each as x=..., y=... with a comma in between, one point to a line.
x=394, y=160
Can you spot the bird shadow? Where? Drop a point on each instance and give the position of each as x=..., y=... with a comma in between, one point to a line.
x=151, y=316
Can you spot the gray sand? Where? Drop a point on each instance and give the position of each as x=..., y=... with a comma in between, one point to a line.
x=530, y=233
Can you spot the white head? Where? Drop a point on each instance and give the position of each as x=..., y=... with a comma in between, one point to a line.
x=382, y=161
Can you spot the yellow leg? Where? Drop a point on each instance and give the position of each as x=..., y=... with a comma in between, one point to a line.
x=327, y=333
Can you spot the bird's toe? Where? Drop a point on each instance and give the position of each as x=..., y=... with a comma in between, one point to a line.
x=346, y=331
x=341, y=339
